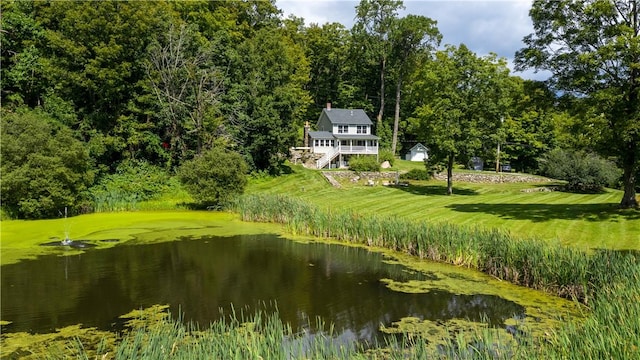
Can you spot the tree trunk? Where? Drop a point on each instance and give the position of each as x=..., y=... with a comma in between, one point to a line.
x=199, y=143
x=383, y=64
x=396, y=118
x=630, y=150
x=629, y=178
x=450, y=175
x=498, y=158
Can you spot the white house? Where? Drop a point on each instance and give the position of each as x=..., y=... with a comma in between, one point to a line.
x=418, y=153
x=340, y=134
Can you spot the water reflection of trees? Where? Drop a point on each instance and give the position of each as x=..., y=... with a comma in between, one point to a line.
x=337, y=283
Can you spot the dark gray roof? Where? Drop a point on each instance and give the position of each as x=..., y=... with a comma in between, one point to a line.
x=320, y=135
x=347, y=116
x=355, y=137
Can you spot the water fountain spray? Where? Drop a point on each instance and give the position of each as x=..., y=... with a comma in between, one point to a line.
x=67, y=240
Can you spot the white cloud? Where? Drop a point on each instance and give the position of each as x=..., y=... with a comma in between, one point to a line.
x=484, y=26
x=321, y=11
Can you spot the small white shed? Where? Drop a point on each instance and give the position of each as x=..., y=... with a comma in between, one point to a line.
x=417, y=153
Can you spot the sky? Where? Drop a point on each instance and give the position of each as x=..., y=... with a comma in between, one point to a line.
x=484, y=26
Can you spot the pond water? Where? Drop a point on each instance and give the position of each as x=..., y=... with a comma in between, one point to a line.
x=199, y=277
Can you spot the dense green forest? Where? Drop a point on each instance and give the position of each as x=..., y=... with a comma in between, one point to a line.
x=95, y=90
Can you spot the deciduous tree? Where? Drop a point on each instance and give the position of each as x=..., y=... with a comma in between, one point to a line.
x=267, y=101
x=410, y=36
x=462, y=100
x=528, y=128
x=326, y=47
x=21, y=71
x=188, y=87
x=44, y=168
x=215, y=177
x=592, y=47
x=375, y=20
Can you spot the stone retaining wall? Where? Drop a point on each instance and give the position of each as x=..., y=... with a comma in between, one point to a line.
x=363, y=175
x=481, y=177
x=484, y=178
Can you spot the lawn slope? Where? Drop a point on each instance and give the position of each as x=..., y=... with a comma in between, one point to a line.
x=586, y=221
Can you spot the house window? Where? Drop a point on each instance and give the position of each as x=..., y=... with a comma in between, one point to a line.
x=361, y=129
x=344, y=142
x=343, y=129
x=316, y=142
x=360, y=143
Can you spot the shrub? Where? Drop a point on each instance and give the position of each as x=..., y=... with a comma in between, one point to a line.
x=433, y=167
x=584, y=172
x=386, y=155
x=416, y=174
x=215, y=177
x=44, y=168
x=364, y=163
x=133, y=181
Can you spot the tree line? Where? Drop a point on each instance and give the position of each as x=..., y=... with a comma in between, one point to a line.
x=163, y=82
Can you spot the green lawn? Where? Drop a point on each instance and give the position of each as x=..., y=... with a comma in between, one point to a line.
x=586, y=221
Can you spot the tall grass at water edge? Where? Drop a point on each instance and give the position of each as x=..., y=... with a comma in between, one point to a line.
x=555, y=269
x=611, y=332
x=114, y=201
x=260, y=336
x=601, y=336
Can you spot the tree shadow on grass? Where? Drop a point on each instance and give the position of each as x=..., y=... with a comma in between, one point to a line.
x=546, y=212
x=435, y=190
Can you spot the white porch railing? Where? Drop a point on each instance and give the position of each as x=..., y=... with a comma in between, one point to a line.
x=368, y=150
x=330, y=155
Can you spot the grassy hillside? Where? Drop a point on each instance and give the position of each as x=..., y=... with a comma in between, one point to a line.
x=582, y=220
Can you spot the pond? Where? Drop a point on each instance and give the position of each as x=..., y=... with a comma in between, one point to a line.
x=206, y=276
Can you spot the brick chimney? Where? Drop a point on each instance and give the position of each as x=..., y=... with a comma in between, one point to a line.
x=328, y=106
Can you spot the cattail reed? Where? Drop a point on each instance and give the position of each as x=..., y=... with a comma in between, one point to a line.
x=528, y=262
